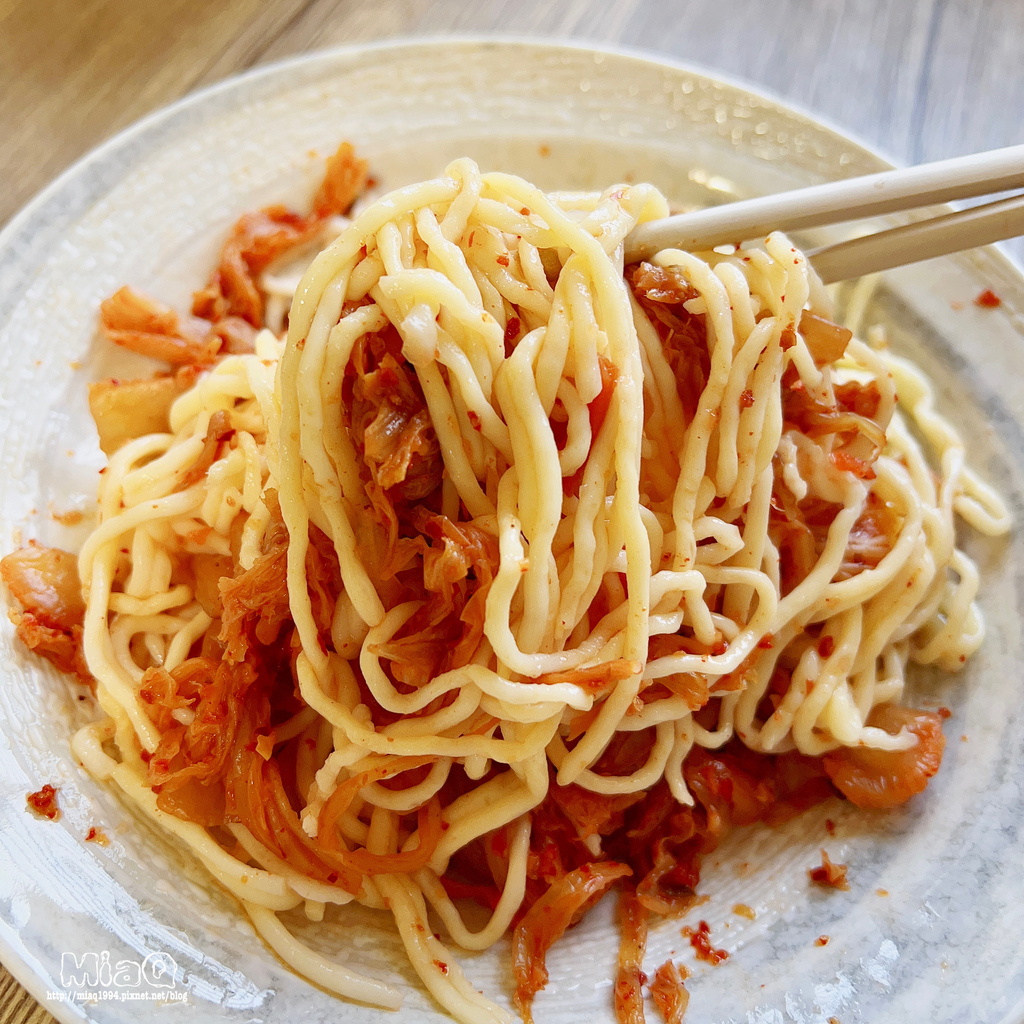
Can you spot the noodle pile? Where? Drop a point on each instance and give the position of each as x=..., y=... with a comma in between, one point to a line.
x=510, y=573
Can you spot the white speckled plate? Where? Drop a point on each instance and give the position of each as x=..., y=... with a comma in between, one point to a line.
x=149, y=208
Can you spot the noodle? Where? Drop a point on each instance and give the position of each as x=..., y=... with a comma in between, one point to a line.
x=506, y=555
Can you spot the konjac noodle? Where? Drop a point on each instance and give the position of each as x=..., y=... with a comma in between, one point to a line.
x=497, y=571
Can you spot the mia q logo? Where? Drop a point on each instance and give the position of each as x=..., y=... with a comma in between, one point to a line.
x=158, y=970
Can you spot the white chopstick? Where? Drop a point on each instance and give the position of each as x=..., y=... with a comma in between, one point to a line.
x=964, y=177
x=921, y=240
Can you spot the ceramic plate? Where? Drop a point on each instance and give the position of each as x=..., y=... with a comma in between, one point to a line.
x=933, y=925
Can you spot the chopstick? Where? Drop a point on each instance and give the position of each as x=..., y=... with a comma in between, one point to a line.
x=921, y=240
x=964, y=177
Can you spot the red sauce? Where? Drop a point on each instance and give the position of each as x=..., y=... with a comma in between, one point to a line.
x=988, y=299
x=43, y=803
x=701, y=942
x=511, y=333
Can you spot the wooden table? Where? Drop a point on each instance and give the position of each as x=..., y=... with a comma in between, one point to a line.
x=921, y=79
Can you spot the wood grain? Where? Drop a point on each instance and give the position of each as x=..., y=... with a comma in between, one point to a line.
x=921, y=79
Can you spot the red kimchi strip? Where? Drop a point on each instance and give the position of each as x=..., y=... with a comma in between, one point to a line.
x=597, y=411
x=871, y=538
x=150, y=328
x=258, y=799
x=545, y=922
x=390, y=421
x=256, y=240
x=825, y=340
x=429, y=830
x=188, y=767
x=876, y=778
x=629, y=999
x=429, y=823
x=662, y=292
x=255, y=604
x=596, y=678
x=669, y=993
x=44, y=582
x=592, y=813
x=219, y=430
x=344, y=182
